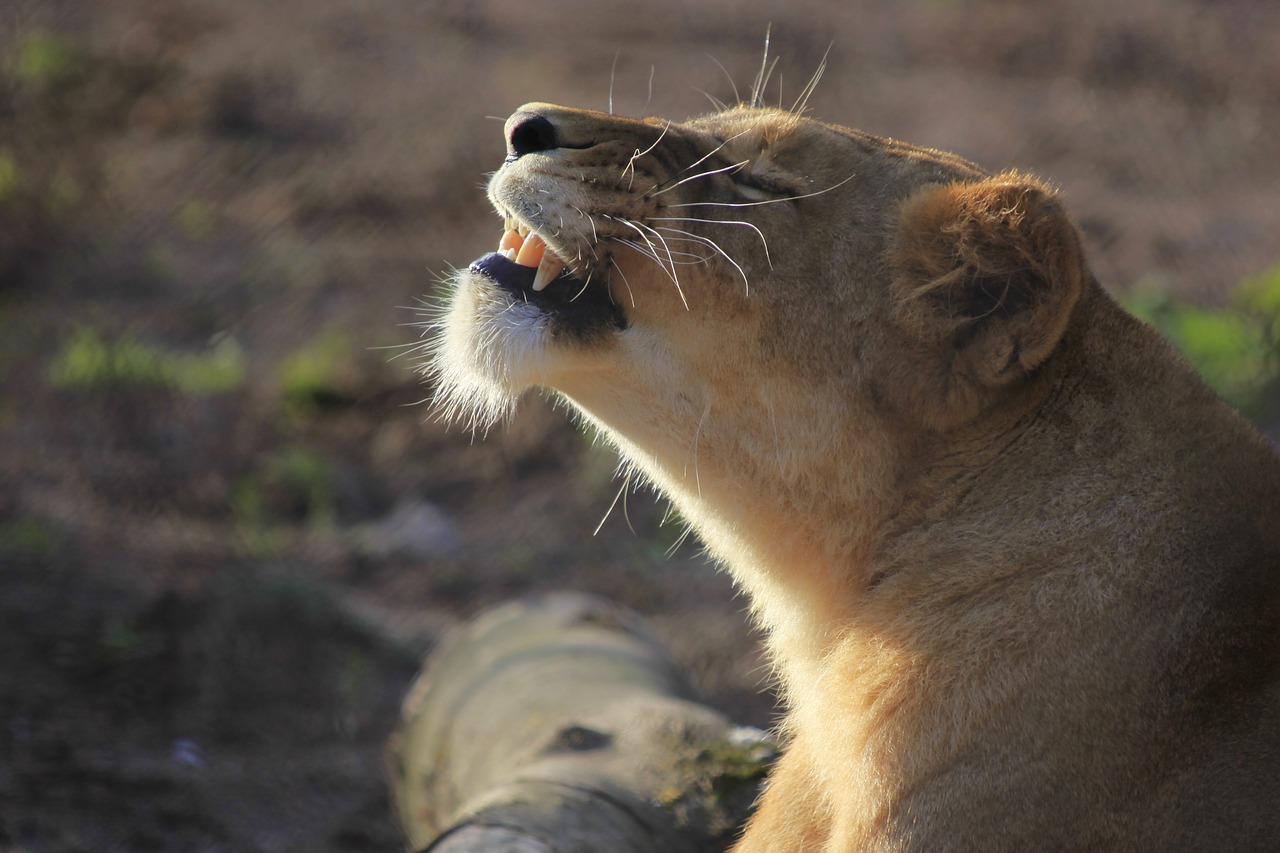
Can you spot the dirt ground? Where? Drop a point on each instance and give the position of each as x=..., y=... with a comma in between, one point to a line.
x=228, y=525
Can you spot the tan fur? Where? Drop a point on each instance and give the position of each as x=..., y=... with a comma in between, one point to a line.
x=1018, y=567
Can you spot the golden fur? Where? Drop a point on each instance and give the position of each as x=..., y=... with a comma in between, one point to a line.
x=1018, y=567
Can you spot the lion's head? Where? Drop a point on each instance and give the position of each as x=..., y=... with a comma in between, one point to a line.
x=750, y=302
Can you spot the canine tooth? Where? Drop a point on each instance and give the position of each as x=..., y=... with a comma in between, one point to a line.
x=532, y=251
x=548, y=268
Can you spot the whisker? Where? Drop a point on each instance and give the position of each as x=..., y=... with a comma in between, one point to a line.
x=707, y=241
x=720, y=105
x=697, y=434
x=750, y=225
x=675, y=546
x=670, y=258
x=628, y=485
x=698, y=162
x=762, y=76
x=625, y=514
x=765, y=201
x=688, y=258
x=631, y=164
x=608, y=512
x=730, y=168
x=670, y=272
x=638, y=248
x=595, y=238
x=627, y=285
x=584, y=287
x=408, y=348
x=736, y=97
x=613, y=73
x=802, y=102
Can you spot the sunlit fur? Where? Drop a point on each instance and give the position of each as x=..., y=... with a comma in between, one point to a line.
x=1018, y=567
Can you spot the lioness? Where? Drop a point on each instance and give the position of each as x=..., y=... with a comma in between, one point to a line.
x=1018, y=566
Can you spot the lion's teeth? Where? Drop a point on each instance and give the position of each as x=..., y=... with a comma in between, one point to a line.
x=548, y=269
x=531, y=251
x=528, y=249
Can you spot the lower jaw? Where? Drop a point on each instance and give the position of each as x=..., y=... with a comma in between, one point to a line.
x=568, y=308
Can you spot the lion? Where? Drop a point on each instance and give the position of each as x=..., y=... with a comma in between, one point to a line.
x=1018, y=567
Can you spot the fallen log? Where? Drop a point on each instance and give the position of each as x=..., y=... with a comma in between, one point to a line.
x=559, y=724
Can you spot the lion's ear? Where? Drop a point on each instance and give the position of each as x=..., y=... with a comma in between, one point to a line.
x=986, y=275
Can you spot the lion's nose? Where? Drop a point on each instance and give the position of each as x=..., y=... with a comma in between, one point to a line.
x=529, y=133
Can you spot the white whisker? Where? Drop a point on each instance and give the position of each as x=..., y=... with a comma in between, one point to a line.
x=671, y=272
x=595, y=238
x=670, y=258
x=625, y=283
x=762, y=76
x=736, y=97
x=707, y=241
x=765, y=201
x=753, y=227
x=686, y=258
x=631, y=164
x=720, y=105
x=697, y=434
x=622, y=493
x=730, y=168
x=802, y=102
x=639, y=249
x=684, y=534
x=613, y=73
x=584, y=287
x=700, y=160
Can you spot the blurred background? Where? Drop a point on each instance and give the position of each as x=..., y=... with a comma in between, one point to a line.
x=229, y=526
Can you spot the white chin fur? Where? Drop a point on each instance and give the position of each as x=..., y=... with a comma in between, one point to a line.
x=488, y=350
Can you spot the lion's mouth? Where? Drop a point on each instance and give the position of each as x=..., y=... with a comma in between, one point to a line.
x=526, y=267
x=534, y=265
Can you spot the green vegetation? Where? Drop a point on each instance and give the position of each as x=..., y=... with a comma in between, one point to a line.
x=308, y=475
x=197, y=220
x=255, y=538
x=8, y=177
x=46, y=59
x=89, y=361
x=29, y=538
x=319, y=373
x=59, y=101
x=292, y=484
x=1237, y=348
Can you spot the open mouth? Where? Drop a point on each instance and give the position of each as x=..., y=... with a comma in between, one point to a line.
x=528, y=269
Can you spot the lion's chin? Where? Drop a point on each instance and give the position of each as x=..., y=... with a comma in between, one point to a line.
x=570, y=308
x=499, y=337
x=489, y=349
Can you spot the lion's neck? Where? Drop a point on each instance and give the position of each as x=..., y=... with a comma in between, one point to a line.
x=795, y=527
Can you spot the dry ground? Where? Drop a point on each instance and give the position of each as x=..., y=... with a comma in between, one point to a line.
x=226, y=529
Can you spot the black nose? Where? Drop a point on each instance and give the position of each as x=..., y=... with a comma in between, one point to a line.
x=529, y=135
